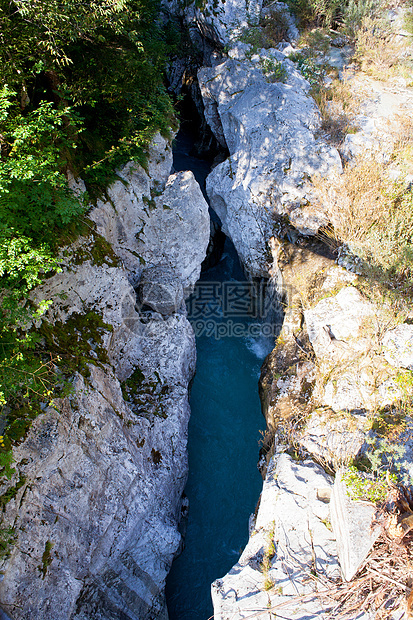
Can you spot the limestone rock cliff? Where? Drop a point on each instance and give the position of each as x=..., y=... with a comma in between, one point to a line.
x=153, y=218
x=96, y=497
x=341, y=354
x=269, y=125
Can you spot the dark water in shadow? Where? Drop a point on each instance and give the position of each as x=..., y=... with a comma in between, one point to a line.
x=224, y=483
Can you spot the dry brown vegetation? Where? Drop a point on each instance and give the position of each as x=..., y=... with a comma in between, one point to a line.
x=383, y=586
x=380, y=53
x=384, y=582
x=373, y=215
x=339, y=106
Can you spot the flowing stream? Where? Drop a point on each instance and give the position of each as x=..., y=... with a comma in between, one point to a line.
x=224, y=430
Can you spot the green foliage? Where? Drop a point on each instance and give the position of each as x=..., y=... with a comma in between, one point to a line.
x=36, y=367
x=76, y=343
x=273, y=70
x=386, y=446
x=390, y=238
x=12, y=492
x=312, y=72
x=46, y=558
x=408, y=21
x=7, y=539
x=405, y=380
x=269, y=553
x=34, y=197
x=347, y=16
x=22, y=264
x=356, y=12
x=254, y=36
x=145, y=395
x=28, y=383
x=384, y=454
x=367, y=487
x=81, y=90
x=326, y=13
x=6, y=460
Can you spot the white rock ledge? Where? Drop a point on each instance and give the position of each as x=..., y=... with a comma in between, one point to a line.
x=292, y=518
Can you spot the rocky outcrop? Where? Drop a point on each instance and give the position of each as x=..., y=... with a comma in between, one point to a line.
x=340, y=356
x=290, y=540
x=151, y=218
x=321, y=388
x=258, y=105
x=96, y=497
x=221, y=23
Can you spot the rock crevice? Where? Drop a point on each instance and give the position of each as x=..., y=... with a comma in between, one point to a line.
x=103, y=471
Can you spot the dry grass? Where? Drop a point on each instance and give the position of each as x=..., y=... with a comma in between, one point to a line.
x=339, y=106
x=315, y=40
x=384, y=582
x=402, y=132
x=383, y=585
x=380, y=54
x=355, y=200
x=272, y=29
x=373, y=215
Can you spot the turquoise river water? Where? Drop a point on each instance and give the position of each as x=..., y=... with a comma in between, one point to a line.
x=224, y=430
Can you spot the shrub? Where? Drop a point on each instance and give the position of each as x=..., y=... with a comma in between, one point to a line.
x=326, y=13
x=339, y=106
x=377, y=52
x=275, y=27
x=373, y=215
x=367, y=487
x=356, y=12
x=272, y=29
x=273, y=70
x=312, y=72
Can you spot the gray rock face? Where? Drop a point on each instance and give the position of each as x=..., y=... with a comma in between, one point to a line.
x=269, y=130
x=161, y=290
x=152, y=218
x=222, y=22
x=398, y=346
x=343, y=330
x=351, y=523
x=100, y=477
x=290, y=539
x=102, y=487
x=337, y=325
x=333, y=438
x=331, y=369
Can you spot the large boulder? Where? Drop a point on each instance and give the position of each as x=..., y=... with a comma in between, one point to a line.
x=269, y=128
x=153, y=218
x=161, y=290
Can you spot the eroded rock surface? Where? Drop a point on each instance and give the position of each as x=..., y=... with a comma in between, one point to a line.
x=152, y=218
x=96, y=497
x=269, y=128
x=290, y=540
